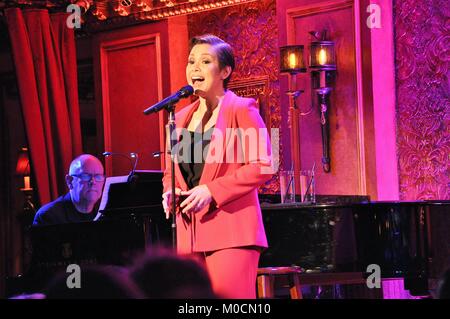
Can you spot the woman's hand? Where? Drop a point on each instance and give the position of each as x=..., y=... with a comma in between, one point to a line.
x=198, y=198
x=167, y=200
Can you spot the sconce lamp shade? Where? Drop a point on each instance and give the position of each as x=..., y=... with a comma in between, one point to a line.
x=322, y=56
x=291, y=59
x=23, y=163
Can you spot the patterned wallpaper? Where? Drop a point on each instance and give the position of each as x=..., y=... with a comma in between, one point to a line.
x=422, y=45
x=422, y=85
x=251, y=29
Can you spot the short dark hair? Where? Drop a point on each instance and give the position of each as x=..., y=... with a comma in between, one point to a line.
x=97, y=282
x=162, y=274
x=223, y=49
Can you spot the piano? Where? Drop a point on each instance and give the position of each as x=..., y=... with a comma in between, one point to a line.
x=130, y=220
x=339, y=234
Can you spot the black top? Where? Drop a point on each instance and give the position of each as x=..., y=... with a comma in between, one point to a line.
x=61, y=211
x=193, y=168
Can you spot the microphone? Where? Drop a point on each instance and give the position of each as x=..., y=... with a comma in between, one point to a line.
x=182, y=93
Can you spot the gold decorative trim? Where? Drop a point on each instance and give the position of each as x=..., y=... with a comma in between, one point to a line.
x=250, y=87
x=137, y=14
x=256, y=88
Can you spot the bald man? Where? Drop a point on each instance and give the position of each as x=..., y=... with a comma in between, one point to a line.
x=85, y=181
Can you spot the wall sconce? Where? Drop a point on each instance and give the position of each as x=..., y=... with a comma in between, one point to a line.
x=322, y=62
x=292, y=62
x=23, y=170
x=23, y=167
x=323, y=65
x=291, y=59
x=322, y=55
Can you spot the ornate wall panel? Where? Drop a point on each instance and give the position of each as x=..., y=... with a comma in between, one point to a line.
x=347, y=175
x=251, y=30
x=129, y=73
x=125, y=129
x=422, y=37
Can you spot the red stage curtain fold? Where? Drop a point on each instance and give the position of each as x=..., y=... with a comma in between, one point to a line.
x=45, y=62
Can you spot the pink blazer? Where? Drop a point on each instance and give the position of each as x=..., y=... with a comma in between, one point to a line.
x=234, y=218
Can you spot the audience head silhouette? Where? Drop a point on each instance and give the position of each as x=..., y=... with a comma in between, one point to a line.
x=96, y=282
x=444, y=286
x=162, y=274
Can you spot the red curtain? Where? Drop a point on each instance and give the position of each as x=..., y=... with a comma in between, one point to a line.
x=45, y=62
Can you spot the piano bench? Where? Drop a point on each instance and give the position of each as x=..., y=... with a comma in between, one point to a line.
x=266, y=281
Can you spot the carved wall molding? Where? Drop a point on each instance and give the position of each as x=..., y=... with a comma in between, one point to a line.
x=98, y=15
x=251, y=29
x=423, y=108
x=256, y=88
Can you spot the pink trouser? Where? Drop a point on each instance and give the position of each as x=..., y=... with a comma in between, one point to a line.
x=233, y=271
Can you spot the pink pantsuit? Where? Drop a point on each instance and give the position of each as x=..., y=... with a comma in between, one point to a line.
x=232, y=223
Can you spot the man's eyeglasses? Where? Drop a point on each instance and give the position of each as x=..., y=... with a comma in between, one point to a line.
x=85, y=177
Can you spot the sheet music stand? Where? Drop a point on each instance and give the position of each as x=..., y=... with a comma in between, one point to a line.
x=140, y=199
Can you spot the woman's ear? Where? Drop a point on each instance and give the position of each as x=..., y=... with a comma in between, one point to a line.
x=69, y=180
x=226, y=71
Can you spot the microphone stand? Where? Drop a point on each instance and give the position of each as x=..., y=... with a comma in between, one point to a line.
x=169, y=104
x=172, y=126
